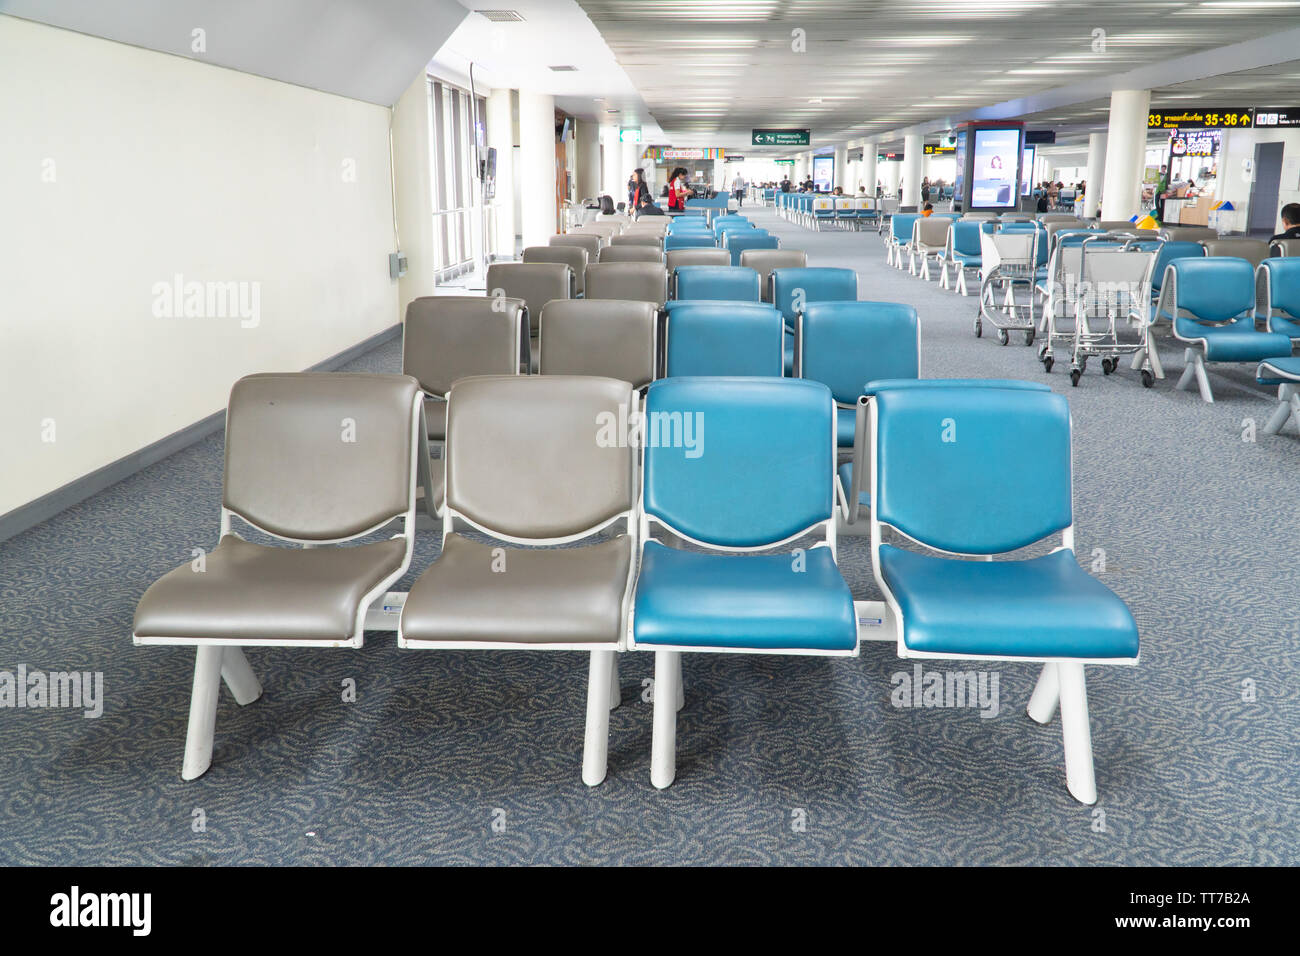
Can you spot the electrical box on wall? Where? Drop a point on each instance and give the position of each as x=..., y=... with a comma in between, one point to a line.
x=396, y=264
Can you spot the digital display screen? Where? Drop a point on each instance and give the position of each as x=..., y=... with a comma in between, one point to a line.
x=959, y=181
x=1027, y=172
x=995, y=168
x=823, y=173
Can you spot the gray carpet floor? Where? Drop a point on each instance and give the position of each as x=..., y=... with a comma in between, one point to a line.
x=468, y=758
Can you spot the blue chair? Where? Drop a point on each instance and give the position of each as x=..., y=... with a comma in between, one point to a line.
x=793, y=288
x=851, y=494
x=930, y=448
x=963, y=254
x=1212, y=305
x=764, y=482
x=1278, y=282
x=900, y=237
x=717, y=282
x=724, y=338
x=1285, y=374
x=689, y=240
x=844, y=345
x=737, y=242
x=727, y=223
x=1169, y=251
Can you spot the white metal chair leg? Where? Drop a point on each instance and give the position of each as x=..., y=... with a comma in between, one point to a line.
x=1076, y=734
x=239, y=676
x=1046, y=695
x=663, y=745
x=681, y=685
x=203, y=710
x=595, y=747
x=1195, y=371
x=615, y=692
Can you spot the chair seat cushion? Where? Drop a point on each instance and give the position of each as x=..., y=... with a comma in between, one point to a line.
x=1285, y=327
x=967, y=262
x=1234, y=343
x=760, y=602
x=253, y=592
x=539, y=596
x=846, y=483
x=845, y=425
x=1041, y=607
x=1279, y=371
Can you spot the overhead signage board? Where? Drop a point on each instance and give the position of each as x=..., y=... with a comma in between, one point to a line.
x=935, y=149
x=886, y=157
x=733, y=158
x=685, y=152
x=1216, y=118
x=784, y=162
x=782, y=137
x=1277, y=118
x=629, y=134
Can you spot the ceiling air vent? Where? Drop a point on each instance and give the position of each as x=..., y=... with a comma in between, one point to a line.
x=501, y=16
x=564, y=69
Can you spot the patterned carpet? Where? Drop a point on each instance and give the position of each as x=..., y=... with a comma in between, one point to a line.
x=465, y=758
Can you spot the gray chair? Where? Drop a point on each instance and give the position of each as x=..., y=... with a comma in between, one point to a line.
x=589, y=241
x=638, y=239
x=763, y=261
x=1286, y=247
x=1117, y=225
x=698, y=257
x=575, y=257
x=537, y=283
x=1187, y=233
x=314, y=459
x=1253, y=251
x=606, y=230
x=611, y=338
x=535, y=462
x=631, y=254
x=640, y=281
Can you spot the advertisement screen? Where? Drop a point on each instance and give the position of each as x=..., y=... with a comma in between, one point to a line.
x=823, y=173
x=996, y=167
x=959, y=181
x=1027, y=172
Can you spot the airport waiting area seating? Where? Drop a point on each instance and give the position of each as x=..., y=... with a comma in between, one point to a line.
x=1253, y=251
x=763, y=484
x=738, y=242
x=608, y=338
x=573, y=256
x=764, y=261
x=638, y=281
x=689, y=239
x=737, y=283
x=703, y=256
x=1277, y=283
x=929, y=446
x=1211, y=303
x=636, y=253
x=962, y=252
x=536, y=283
x=720, y=338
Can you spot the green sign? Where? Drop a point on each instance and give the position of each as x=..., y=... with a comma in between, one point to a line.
x=785, y=162
x=782, y=137
x=629, y=134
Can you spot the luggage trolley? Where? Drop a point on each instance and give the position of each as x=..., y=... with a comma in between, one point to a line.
x=1115, y=285
x=1059, y=292
x=1011, y=260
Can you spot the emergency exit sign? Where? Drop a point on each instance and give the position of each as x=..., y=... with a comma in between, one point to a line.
x=782, y=137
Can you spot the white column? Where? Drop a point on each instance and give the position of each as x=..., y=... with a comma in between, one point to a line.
x=612, y=162
x=890, y=176
x=537, y=167
x=587, y=163
x=413, y=192
x=631, y=160
x=868, y=174
x=1093, y=177
x=1125, y=153
x=720, y=181
x=800, y=168
x=913, y=163
x=501, y=137
x=842, y=170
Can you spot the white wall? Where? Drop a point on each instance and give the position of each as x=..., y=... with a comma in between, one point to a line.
x=1233, y=186
x=413, y=176
x=123, y=168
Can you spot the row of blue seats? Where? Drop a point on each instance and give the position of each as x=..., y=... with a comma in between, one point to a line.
x=745, y=490
x=735, y=233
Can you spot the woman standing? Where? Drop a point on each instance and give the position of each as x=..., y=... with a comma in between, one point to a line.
x=637, y=190
x=678, y=191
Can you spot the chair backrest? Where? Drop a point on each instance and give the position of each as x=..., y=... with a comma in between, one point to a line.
x=612, y=338
x=1282, y=281
x=573, y=256
x=1105, y=225
x=697, y=257
x=653, y=240
x=1253, y=251
x=763, y=261
x=931, y=231
x=1286, y=248
x=739, y=242
x=639, y=281
x=321, y=456
x=1188, y=233
x=725, y=338
x=688, y=239
x=845, y=345
x=1168, y=252
x=901, y=225
x=734, y=283
x=1213, y=289
x=538, y=458
x=448, y=337
x=766, y=476
x=631, y=254
x=586, y=240
x=606, y=230
x=1049, y=217
x=537, y=283
x=966, y=238
x=931, y=446
x=978, y=216
x=792, y=288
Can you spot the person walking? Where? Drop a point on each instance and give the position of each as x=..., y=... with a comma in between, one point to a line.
x=738, y=189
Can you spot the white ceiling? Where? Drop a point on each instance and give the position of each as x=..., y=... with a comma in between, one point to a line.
x=369, y=50
x=519, y=55
x=712, y=70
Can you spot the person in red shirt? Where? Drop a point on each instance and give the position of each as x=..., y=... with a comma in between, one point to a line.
x=678, y=191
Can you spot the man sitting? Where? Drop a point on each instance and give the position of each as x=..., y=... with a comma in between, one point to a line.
x=1290, y=223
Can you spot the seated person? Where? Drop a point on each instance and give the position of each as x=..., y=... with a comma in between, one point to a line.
x=1290, y=223
x=927, y=210
x=647, y=208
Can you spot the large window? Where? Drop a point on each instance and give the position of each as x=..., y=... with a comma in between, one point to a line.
x=457, y=196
